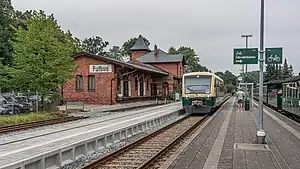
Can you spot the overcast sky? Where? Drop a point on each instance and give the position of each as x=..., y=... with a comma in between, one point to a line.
x=212, y=27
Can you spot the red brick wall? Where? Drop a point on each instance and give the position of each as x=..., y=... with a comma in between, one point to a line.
x=174, y=68
x=102, y=93
x=137, y=54
x=180, y=69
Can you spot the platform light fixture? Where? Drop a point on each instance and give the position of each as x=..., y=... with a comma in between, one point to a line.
x=246, y=71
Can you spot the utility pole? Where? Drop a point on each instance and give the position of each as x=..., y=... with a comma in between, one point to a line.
x=245, y=81
x=260, y=135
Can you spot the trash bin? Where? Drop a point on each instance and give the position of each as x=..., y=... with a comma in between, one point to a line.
x=247, y=105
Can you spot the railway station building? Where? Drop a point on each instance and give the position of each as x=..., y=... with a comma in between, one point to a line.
x=149, y=74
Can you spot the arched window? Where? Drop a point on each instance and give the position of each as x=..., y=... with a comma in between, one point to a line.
x=136, y=83
x=147, y=84
x=125, y=86
x=141, y=87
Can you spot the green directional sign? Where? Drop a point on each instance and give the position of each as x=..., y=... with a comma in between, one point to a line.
x=245, y=56
x=273, y=56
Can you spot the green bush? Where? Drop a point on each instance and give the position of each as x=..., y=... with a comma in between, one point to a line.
x=25, y=118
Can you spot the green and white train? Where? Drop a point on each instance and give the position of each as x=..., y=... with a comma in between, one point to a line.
x=202, y=92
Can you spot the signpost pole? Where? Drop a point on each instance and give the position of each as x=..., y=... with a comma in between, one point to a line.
x=260, y=135
x=246, y=73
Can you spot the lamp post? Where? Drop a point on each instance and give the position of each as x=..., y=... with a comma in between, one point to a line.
x=260, y=135
x=246, y=37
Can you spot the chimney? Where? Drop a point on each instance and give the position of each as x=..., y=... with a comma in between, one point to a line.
x=155, y=50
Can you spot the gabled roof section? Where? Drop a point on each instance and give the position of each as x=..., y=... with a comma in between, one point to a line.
x=147, y=68
x=161, y=57
x=140, y=45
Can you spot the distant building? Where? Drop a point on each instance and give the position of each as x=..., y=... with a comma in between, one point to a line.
x=148, y=75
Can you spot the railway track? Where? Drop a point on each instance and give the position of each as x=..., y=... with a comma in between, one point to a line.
x=26, y=126
x=148, y=151
x=142, y=152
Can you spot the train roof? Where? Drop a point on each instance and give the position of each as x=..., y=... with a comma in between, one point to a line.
x=202, y=73
x=291, y=79
x=273, y=82
x=287, y=80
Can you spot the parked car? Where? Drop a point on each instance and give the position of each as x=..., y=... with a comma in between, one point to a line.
x=2, y=111
x=9, y=110
x=11, y=103
x=2, y=100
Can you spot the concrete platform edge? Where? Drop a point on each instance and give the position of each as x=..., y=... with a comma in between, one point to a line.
x=133, y=107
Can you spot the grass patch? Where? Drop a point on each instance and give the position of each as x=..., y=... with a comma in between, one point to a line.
x=29, y=117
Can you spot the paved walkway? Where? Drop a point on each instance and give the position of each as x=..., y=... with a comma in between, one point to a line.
x=228, y=141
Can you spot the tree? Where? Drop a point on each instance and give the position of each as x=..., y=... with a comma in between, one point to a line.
x=191, y=58
x=172, y=50
x=129, y=43
x=279, y=72
x=274, y=72
x=270, y=73
x=291, y=72
x=93, y=45
x=6, y=12
x=229, y=79
x=285, y=70
x=115, y=53
x=20, y=19
x=253, y=77
x=4, y=77
x=227, y=76
x=42, y=55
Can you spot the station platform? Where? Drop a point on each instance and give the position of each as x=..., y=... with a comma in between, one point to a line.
x=228, y=141
x=110, y=108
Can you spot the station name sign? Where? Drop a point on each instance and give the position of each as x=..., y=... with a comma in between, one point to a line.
x=103, y=68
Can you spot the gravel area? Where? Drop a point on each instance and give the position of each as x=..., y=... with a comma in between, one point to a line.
x=97, y=155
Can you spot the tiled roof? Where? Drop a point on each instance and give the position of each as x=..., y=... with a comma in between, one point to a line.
x=147, y=66
x=140, y=45
x=161, y=57
x=142, y=66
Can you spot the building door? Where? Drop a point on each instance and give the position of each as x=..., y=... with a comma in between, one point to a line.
x=125, y=89
x=153, y=90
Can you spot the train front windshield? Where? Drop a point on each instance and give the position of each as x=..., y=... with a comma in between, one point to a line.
x=197, y=84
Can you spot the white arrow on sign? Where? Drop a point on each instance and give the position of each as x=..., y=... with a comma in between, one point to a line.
x=239, y=61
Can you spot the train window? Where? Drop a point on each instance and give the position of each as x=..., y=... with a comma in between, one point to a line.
x=197, y=84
